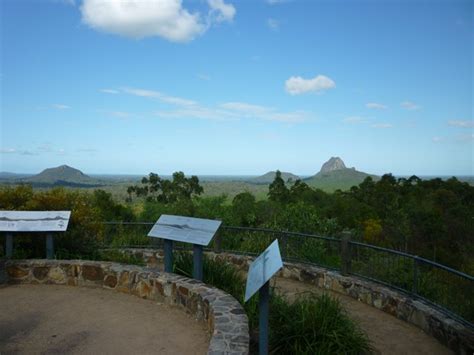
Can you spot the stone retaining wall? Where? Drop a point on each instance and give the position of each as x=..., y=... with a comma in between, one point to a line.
x=225, y=318
x=447, y=330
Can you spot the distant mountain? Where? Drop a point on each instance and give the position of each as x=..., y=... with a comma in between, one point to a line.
x=335, y=175
x=270, y=176
x=8, y=175
x=335, y=163
x=63, y=175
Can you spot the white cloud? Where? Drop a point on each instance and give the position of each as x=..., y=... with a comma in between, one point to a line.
x=354, y=119
x=376, y=106
x=229, y=111
x=60, y=107
x=7, y=151
x=408, y=105
x=382, y=125
x=87, y=150
x=466, y=138
x=159, y=96
x=15, y=151
x=297, y=85
x=119, y=114
x=437, y=139
x=163, y=18
x=221, y=11
x=233, y=111
x=273, y=24
x=199, y=112
x=109, y=91
x=245, y=107
x=461, y=123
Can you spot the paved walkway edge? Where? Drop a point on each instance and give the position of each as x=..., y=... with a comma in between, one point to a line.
x=225, y=318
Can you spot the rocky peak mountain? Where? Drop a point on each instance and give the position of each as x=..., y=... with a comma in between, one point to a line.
x=335, y=163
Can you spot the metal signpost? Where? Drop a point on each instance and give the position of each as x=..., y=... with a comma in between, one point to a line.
x=196, y=231
x=33, y=221
x=258, y=279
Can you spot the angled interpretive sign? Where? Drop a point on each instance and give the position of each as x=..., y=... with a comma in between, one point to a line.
x=185, y=229
x=196, y=231
x=34, y=221
x=258, y=279
x=263, y=268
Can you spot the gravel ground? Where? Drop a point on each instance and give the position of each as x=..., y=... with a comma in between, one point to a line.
x=47, y=319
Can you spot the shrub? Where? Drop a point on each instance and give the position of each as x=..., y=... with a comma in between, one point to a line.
x=310, y=325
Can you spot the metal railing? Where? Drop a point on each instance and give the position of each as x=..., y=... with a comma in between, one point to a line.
x=445, y=288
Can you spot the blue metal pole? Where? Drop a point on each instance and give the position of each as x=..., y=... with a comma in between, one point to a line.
x=197, y=262
x=168, y=248
x=415, y=275
x=9, y=245
x=49, y=246
x=263, y=305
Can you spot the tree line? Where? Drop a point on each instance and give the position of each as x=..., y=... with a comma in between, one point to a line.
x=429, y=218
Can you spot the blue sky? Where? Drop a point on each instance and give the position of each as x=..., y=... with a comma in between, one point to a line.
x=237, y=87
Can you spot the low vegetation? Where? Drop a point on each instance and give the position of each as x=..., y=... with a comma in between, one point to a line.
x=309, y=325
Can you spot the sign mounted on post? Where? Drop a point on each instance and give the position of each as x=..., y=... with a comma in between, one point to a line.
x=196, y=231
x=185, y=229
x=34, y=221
x=263, y=268
x=258, y=279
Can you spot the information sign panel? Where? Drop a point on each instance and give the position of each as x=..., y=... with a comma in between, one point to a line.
x=185, y=229
x=34, y=221
x=263, y=268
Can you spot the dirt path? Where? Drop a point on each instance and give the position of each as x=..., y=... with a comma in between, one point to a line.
x=39, y=319
x=388, y=334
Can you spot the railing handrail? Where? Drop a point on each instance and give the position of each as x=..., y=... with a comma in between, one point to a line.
x=267, y=230
x=344, y=264
x=315, y=236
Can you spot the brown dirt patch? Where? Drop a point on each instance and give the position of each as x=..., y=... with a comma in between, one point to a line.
x=38, y=319
x=389, y=335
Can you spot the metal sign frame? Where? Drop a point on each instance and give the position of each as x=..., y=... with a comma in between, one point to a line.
x=260, y=272
x=196, y=231
x=33, y=221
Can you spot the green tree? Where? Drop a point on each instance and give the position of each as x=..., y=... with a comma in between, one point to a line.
x=244, y=209
x=177, y=190
x=277, y=191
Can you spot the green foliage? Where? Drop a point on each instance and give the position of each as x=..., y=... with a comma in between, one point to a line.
x=311, y=325
x=109, y=210
x=277, y=191
x=244, y=211
x=314, y=325
x=84, y=234
x=161, y=190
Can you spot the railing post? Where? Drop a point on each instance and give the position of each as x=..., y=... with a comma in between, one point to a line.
x=263, y=306
x=49, y=246
x=218, y=242
x=415, y=275
x=346, y=253
x=9, y=245
x=197, y=262
x=284, y=244
x=168, y=255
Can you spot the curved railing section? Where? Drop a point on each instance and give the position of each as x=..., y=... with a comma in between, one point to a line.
x=447, y=289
